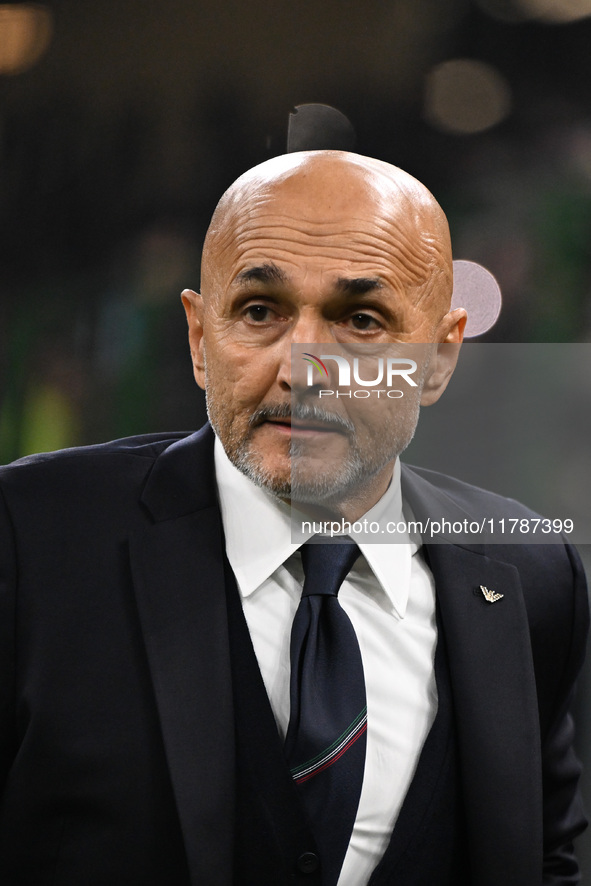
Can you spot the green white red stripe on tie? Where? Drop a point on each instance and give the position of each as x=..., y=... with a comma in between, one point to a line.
x=334, y=752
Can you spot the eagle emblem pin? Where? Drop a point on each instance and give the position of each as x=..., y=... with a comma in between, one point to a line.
x=490, y=596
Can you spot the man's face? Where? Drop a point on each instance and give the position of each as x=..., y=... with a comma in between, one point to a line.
x=316, y=259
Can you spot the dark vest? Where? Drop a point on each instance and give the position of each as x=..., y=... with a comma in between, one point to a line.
x=274, y=845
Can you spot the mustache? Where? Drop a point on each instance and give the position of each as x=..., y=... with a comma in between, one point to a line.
x=301, y=412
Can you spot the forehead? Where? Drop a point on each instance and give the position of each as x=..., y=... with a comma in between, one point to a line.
x=328, y=223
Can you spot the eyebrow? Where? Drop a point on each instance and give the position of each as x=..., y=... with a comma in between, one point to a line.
x=358, y=285
x=267, y=273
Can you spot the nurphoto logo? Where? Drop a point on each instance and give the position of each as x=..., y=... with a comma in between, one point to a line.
x=384, y=371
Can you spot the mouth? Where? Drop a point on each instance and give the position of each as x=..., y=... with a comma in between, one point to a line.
x=301, y=421
x=307, y=428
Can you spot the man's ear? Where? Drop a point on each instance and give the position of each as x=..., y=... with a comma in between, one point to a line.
x=193, y=304
x=449, y=336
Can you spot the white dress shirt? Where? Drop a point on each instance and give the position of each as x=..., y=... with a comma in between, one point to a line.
x=389, y=596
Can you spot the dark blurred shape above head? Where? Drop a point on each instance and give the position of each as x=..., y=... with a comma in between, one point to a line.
x=316, y=127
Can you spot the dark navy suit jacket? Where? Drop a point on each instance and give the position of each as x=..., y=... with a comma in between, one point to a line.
x=117, y=740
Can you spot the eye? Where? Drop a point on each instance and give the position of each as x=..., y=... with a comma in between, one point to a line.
x=259, y=314
x=364, y=322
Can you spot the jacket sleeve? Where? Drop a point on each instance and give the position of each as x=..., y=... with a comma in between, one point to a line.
x=564, y=817
x=7, y=641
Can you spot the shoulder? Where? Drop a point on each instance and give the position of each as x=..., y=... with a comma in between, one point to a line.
x=439, y=495
x=104, y=471
x=141, y=446
x=477, y=502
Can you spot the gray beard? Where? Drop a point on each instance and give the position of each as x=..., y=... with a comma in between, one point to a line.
x=329, y=487
x=326, y=489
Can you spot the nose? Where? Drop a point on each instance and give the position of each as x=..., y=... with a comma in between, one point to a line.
x=308, y=329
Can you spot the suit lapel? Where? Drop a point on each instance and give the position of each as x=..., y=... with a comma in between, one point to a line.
x=177, y=568
x=494, y=697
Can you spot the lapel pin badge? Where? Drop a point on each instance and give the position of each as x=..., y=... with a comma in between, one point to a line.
x=490, y=596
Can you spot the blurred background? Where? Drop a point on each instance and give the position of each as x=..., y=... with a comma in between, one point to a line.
x=122, y=123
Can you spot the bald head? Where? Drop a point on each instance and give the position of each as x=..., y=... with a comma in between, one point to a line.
x=321, y=189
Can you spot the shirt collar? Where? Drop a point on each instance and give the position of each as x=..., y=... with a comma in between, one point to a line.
x=257, y=528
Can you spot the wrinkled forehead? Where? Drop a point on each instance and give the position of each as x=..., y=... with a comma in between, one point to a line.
x=330, y=194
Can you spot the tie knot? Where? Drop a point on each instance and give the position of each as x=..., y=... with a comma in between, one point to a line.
x=326, y=565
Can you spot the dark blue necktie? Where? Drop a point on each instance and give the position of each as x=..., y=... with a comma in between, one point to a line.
x=326, y=737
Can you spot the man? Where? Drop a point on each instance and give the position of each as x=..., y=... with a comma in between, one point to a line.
x=148, y=589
